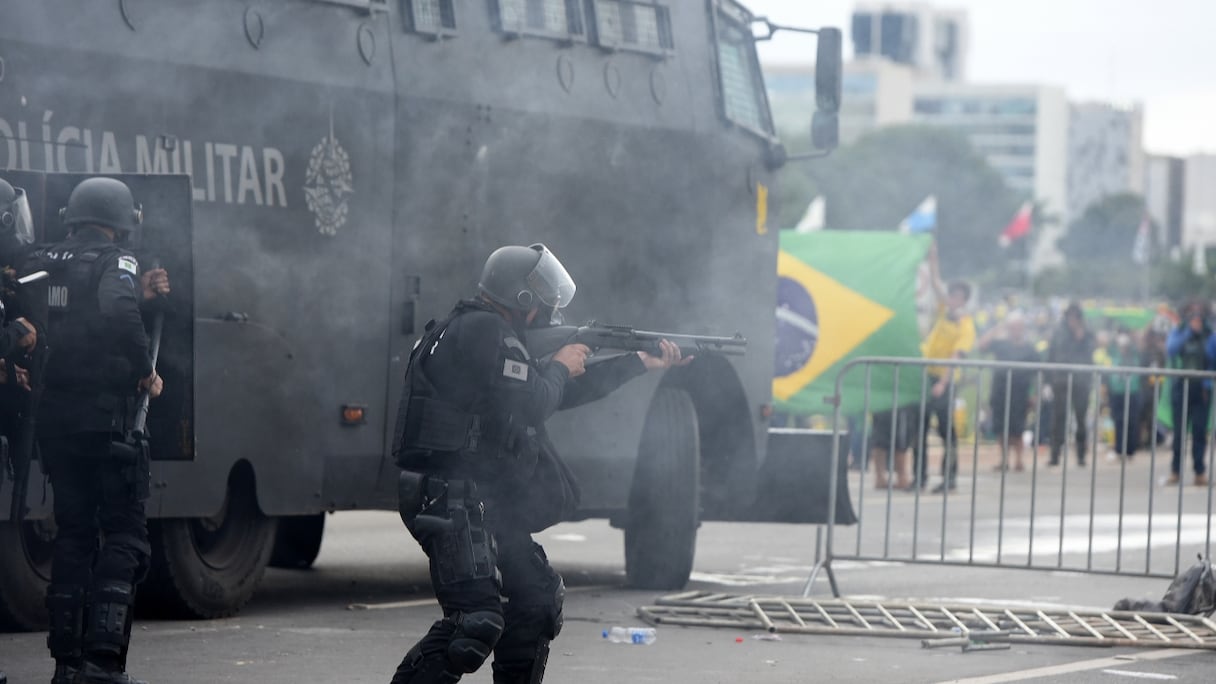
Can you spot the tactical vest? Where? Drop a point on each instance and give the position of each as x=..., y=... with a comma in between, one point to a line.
x=454, y=435
x=82, y=356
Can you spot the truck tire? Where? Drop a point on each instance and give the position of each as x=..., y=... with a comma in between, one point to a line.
x=664, y=502
x=25, y=570
x=297, y=541
x=209, y=567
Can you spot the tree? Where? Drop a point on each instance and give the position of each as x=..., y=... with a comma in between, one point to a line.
x=874, y=183
x=1105, y=232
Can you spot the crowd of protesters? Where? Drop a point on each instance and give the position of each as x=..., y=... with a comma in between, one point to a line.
x=1046, y=405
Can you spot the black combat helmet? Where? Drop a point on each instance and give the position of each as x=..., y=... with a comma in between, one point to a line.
x=104, y=202
x=520, y=278
x=15, y=217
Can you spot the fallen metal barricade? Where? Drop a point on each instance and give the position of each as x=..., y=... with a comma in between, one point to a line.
x=932, y=621
x=1113, y=518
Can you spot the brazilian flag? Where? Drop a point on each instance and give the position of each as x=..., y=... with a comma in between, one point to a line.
x=840, y=295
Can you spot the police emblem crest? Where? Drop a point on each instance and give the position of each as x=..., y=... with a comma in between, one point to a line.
x=328, y=184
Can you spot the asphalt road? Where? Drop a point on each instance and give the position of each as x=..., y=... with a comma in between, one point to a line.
x=352, y=617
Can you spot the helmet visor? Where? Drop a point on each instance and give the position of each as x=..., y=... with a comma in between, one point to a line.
x=23, y=220
x=550, y=281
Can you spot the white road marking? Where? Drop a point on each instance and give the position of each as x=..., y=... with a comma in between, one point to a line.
x=779, y=574
x=393, y=604
x=1193, y=529
x=568, y=537
x=1140, y=675
x=415, y=603
x=1067, y=668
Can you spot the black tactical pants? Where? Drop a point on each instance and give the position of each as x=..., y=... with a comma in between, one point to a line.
x=1060, y=405
x=95, y=497
x=92, y=494
x=528, y=600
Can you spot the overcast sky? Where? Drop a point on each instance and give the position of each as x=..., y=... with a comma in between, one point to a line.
x=1161, y=53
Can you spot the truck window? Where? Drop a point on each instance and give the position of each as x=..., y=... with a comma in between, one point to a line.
x=638, y=25
x=744, y=101
x=557, y=19
x=430, y=17
x=367, y=5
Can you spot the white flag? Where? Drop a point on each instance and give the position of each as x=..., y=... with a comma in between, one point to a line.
x=813, y=219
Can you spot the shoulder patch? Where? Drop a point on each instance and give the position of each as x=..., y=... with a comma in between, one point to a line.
x=516, y=370
x=128, y=264
x=513, y=342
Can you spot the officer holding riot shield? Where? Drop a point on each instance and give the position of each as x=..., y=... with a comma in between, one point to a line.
x=480, y=475
x=99, y=363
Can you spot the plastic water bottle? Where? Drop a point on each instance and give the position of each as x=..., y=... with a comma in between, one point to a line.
x=640, y=636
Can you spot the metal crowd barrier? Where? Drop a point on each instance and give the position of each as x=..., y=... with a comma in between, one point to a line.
x=1109, y=516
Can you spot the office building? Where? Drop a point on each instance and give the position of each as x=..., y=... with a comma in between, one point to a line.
x=1164, y=181
x=930, y=40
x=875, y=92
x=1105, y=153
x=1021, y=130
x=1199, y=202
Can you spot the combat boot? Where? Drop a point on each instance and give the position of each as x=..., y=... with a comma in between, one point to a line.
x=91, y=673
x=106, y=635
x=65, y=612
x=64, y=674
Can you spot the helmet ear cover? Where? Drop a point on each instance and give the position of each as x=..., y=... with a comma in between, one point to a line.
x=524, y=298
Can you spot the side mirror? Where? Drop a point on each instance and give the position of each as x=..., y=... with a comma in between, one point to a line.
x=829, y=70
x=829, y=77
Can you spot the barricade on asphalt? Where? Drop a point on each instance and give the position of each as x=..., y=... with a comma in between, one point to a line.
x=1094, y=512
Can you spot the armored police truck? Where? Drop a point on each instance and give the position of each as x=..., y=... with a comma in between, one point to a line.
x=321, y=177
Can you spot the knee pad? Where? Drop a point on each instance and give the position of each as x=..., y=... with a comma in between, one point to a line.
x=474, y=639
x=138, y=548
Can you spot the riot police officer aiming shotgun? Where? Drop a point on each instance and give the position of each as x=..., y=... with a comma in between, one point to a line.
x=480, y=475
x=101, y=361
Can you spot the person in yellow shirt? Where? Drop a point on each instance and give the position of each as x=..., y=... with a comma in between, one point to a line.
x=951, y=337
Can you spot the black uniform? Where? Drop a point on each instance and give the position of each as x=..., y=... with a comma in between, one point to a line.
x=480, y=475
x=99, y=352
x=1065, y=347
x=13, y=253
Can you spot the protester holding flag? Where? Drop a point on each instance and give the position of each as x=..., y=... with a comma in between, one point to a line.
x=1191, y=346
x=952, y=336
x=1072, y=343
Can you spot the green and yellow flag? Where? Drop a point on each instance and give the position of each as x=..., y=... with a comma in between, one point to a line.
x=843, y=294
